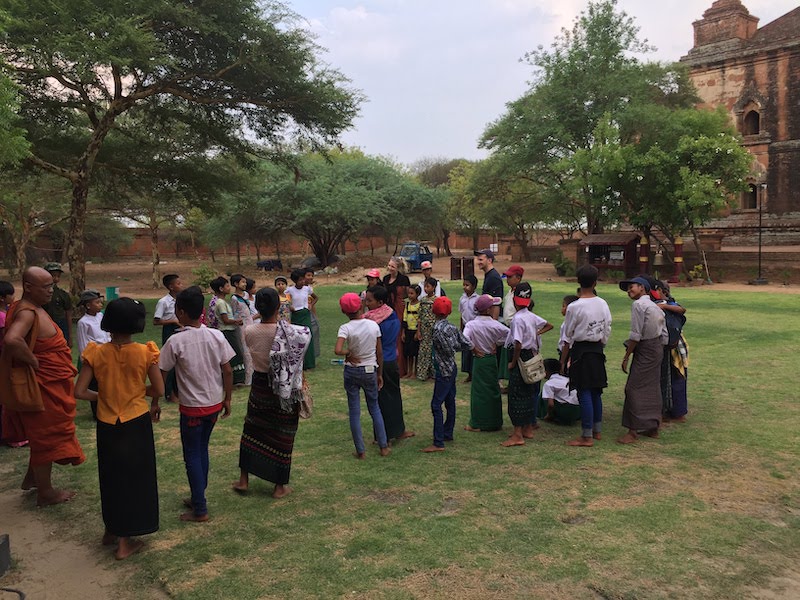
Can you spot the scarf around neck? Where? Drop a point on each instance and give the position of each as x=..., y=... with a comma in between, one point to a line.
x=380, y=314
x=286, y=363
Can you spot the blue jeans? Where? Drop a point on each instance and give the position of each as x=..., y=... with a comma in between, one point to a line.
x=355, y=380
x=195, y=433
x=444, y=392
x=591, y=402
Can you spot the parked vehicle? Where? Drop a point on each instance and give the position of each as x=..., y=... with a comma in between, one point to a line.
x=415, y=253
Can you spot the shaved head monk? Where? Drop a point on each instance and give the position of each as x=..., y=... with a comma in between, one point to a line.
x=52, y=431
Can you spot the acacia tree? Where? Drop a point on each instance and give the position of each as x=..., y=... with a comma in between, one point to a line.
x=230, y=71
x=13, y=146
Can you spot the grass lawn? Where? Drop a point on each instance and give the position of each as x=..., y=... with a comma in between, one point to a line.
x=710, y=510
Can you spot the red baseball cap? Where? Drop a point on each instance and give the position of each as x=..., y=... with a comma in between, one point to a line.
x=514, y=270
x=442, y=306
x=376, y=273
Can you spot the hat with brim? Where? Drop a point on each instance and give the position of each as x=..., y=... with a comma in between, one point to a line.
x=623, y=285
x=523, y=294
x=426, y=264
x=53, y=267
x=485, y=302
x=373, y=273
x=88, y=296
x=485, y=251
x=514, y=270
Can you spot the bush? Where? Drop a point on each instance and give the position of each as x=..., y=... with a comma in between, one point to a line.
x=563, y=266
x=203, y=275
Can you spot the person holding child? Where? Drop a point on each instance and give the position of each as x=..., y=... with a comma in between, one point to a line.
x=678, y=358
x=487, y=335
x=648, y=336
x=273, y=407
x=202, y=360
x=447, y=340
x=587, y=327
x=126, y=454
x=363, y=370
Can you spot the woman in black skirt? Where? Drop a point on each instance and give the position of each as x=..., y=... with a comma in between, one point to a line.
x=126, y=454
x=273, y=408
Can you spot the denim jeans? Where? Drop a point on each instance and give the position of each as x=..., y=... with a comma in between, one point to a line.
x=591, y=402
x=444, y=392
x=355, y=380
x=195, y=433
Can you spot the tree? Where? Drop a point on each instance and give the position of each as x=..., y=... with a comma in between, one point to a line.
x=13, y=145
x=590, y=72
x=230, y=72
x=435, y=174
x=30, y=205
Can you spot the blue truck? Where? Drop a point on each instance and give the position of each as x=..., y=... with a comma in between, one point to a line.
x=415, y=253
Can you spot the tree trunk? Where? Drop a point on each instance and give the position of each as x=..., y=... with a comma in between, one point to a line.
x=371, y=246
x=475, y=238
x=154, y=254
x=77, y=223
x=213, y=257
x=238, y=252
x=446, y=242
x=19, y=253
x=277, y=250
x=258, y=252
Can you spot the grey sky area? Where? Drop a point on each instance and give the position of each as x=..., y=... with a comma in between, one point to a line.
x=436, y=72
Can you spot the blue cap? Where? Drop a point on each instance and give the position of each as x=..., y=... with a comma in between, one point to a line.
x=623, y=285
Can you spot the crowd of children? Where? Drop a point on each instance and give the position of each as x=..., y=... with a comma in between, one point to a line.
x=206, y=351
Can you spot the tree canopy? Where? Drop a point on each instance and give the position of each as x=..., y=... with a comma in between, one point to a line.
x=239, y=75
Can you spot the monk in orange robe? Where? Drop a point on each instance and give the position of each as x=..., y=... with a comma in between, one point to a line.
x=51, y=432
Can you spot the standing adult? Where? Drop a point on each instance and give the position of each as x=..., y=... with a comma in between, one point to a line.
x=51, y=431
x=60, y=305
x=643, y=401
x=273, y=408
x=397, y=283
x=492, y=281
x=164, y=317
x=390, y=399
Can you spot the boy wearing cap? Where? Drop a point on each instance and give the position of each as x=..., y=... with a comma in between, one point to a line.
x=89, y=330
x=60, y=306
x=363, y=370
x=642, y=408
x=427, y=273
x=513, y=276
x=587, y=327
x=485, y=334
x=447, y=340
x=523, y=338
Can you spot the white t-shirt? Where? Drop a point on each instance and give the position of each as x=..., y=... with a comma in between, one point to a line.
x=557, y=388
x=524, y=329
x=299, y=297
x=196, y=354
x=88, y=330
x=508, y=308
x=362, y=336
x=165, y=308
x=587, y=320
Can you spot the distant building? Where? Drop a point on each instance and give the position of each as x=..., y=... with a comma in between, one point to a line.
x=755, y=74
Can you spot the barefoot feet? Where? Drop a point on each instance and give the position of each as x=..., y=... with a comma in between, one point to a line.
x=53, y=496
x=585, y=442
x=386, y=451
x=629, y=438
x=109, y=539
x=406, y=434
x=468, y=428
x=193, y=518
x=281, y=491
x=651, y=433
x=513, y=440
x=597, y=435
x=360, y=455
x=433, y=449
x=127, y=547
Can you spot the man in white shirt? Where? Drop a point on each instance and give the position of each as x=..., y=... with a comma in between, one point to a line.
x=164, y=316
x=89, y=330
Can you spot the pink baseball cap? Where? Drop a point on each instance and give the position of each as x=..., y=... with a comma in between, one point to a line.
x=426, y=264
x=486, y=302
x=350, y=303
x=376, y=273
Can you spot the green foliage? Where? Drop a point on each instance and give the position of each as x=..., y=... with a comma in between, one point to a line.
x=13, y=145
x=563, y=265
x=697, y=272
x=203, y=276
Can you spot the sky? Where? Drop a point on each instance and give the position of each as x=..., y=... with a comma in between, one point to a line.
x=437, y=72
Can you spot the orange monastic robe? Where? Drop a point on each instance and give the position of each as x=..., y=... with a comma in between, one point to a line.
x=51, y=432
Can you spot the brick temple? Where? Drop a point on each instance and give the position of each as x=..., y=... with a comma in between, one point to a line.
x=754, y=72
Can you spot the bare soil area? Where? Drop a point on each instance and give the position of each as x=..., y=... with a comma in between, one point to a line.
x=134, y=277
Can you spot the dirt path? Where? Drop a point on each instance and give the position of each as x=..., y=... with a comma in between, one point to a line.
x=47, y=565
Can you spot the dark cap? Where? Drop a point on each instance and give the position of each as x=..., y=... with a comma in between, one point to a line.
x=53, y=267
x=523, y=294
x=88, y=296
x=623, y=285
x=486, y=251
